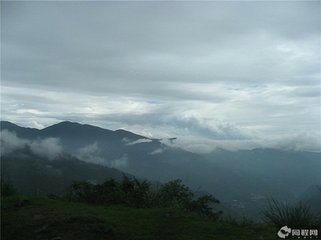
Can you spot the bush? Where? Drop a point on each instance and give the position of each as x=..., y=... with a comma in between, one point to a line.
x=129, y=192
x=138, y=194
x=280, y=214
x=135, y=193
x=82, y=191
x=203, y=206
x=175, y=194
x=7, y=188
x=109, y=192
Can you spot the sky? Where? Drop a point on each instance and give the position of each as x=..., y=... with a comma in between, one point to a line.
x=235, y=75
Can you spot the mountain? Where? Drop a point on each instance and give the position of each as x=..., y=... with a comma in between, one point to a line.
x=32, y=173
x=84, y=132
x=243, y=180
x=74, y=135
x=29, y=133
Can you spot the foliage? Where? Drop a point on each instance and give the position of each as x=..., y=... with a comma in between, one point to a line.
x=175, y=194
x=109, y=192
x=203, y=206
x=240, y=222
x=135, y=193
x=138, y=194
x=82, y=191
x=7, y=188
x=46, y=218
x=281, y=214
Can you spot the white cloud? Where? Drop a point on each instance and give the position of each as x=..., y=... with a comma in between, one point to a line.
x=47, y=147
x=157, y=151
x=91, y=153
x=229, y=72
x=120, y=163
x=142, y=140
x=10, y=142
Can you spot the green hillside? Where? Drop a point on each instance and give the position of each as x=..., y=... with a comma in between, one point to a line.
x=38, y=217
x=32, y=173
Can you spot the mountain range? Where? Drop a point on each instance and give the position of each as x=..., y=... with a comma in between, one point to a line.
x=243, y=180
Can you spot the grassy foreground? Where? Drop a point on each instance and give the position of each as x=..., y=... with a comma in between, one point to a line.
x=43, y=218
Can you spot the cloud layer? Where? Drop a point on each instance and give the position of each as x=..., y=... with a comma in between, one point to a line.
x=234, y=74
x=50, y=148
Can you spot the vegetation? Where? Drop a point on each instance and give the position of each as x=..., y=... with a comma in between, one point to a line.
x=36, y=217
x=131, y=192
x=7, y=188
x=281, y=214
x=132, y=210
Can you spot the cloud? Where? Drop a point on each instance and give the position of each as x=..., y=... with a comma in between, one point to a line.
x=136, y=44
x=119, y=163
x=224, y=72
x=142, y=140
x=47, y=147
x=10, y=142
x=125, y=140
x=50, y=148
x=157, y=151
x=302, y=141
x=91, y=153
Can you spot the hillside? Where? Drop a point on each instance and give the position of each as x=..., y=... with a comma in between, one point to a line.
x=243, y=180
x=29, y=218
x=32, y=173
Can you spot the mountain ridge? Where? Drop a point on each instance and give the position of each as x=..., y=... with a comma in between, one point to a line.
x=49, y=130
x=230, y=175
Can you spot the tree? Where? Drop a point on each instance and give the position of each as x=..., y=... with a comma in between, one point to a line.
x=203, y=206
x=7, y=188
x=82, y=191
x=135, y=192
x=138, y=194
x=175, y=194
x=109, y=192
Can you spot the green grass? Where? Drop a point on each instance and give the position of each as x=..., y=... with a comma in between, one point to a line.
x=44, y=218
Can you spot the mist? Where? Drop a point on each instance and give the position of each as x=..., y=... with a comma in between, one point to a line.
x=90, y=153
x=50, y=148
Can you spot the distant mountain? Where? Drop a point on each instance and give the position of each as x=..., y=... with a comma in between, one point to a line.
x=29, y=133
x=74, y=135
x=32, y=173
x=68, y=129
x=243, y=180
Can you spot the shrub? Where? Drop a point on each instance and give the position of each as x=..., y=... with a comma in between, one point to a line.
x=109, y=192
x=135, y=192
x=175, y=194
x=138, y=194
x=82, y=191
x=7, y=188
x=280, y=214
x=203, y=205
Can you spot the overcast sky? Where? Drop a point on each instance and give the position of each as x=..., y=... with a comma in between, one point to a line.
x=213, y=74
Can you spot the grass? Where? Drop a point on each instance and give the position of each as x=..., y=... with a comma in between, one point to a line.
x=44, y=218
x=281, y=214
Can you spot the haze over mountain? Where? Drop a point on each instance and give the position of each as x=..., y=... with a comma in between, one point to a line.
x=34, y=174
x=243, y=179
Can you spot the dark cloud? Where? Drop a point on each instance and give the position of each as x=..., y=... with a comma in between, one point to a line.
x=212, y=70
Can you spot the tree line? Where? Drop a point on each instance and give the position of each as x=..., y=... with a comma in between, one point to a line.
x=132, y=192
